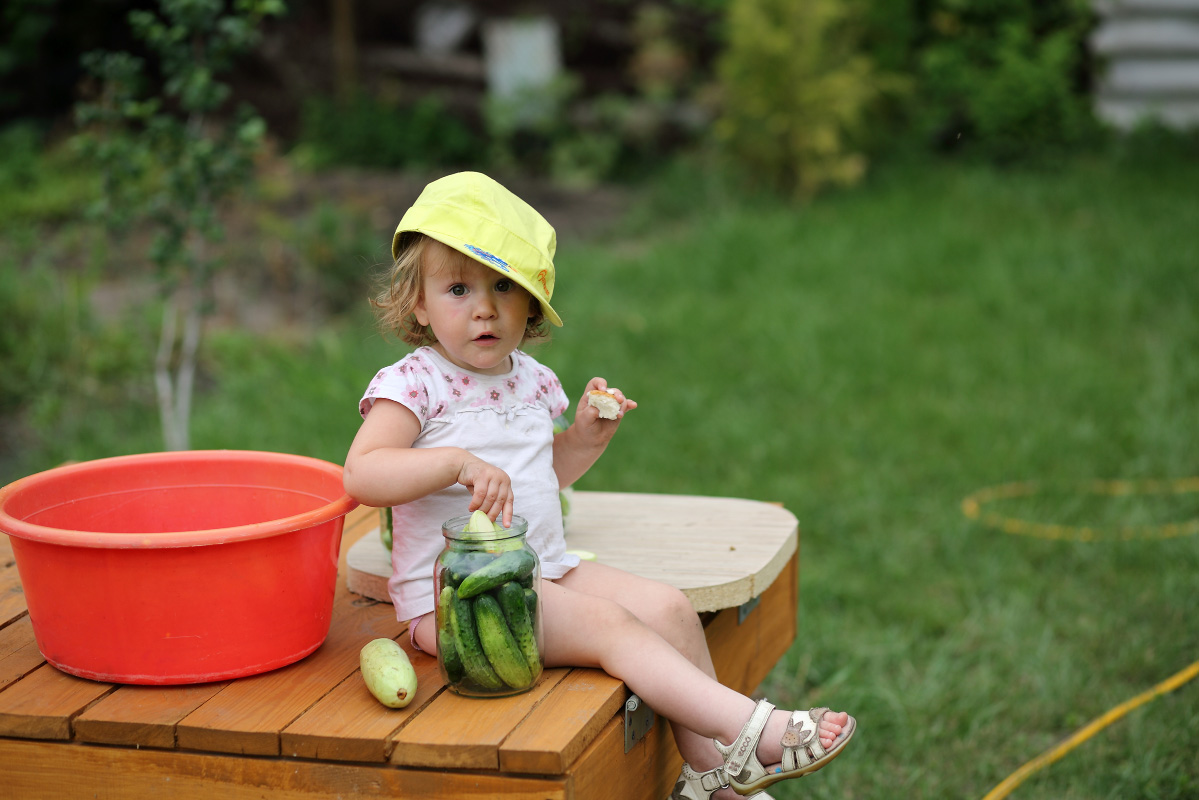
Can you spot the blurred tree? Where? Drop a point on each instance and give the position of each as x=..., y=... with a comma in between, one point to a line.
x=170, y=160
x=796, y=89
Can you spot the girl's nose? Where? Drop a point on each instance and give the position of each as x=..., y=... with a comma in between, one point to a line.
x=485, y=307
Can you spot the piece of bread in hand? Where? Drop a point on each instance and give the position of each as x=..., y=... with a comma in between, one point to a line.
x=605, y=402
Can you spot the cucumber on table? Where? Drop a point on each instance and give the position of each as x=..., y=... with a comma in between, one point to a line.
x=499, y=645
x=387, y=672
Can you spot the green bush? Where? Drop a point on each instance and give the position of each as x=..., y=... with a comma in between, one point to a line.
x=796, y=91
x=328, y=251
x=40, y=181
x=367, y=132
x=1005, y=78
x=36, y=334
x=61, y=368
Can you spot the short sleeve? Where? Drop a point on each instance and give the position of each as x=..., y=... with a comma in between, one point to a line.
x=552, y=392
x=406, y=383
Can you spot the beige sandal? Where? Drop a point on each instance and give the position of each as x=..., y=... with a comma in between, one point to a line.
x=802, y=752
x=693, y=785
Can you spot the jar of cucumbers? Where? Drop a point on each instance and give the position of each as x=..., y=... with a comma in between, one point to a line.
x=488, y=625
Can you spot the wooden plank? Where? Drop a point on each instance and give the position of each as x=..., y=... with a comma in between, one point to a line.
x=12, y=596
x=65, y=771
x=605, y=771
x=466, y=732
x=142, y=716
x=19, y=655
x=744, y=652
x=734, y=647
x=549, y=740
x=368, y=567
x=42, y=704
x=779, y=620
x=249, y=714
x=349, y=724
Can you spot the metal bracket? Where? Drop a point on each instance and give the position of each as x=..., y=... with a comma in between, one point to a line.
x=638, y=719
x=746, y=607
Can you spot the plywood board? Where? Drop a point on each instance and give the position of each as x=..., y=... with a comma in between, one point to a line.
x=720, y=551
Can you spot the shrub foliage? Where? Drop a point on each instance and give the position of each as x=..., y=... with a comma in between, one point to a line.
x=796, y=90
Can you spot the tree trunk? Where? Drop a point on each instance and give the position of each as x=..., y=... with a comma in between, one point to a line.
x=175, y=367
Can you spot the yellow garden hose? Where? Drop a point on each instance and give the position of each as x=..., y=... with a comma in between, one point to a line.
x=973, y=506
x=1018, y=777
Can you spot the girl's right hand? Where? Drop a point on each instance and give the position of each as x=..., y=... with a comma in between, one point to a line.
x=491, y=489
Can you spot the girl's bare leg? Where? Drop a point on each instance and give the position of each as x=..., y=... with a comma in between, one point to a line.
x=588, y=622
x=647, y=634
x=667, y=612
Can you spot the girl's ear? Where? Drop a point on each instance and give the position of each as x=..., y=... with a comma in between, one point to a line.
x=418, y=311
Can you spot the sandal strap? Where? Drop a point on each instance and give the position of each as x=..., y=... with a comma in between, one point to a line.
x=745, y=746
x=713, y=779
x=693, y=785
x=801, y=742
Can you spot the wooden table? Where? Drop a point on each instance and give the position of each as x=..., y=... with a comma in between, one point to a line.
x=312, y=730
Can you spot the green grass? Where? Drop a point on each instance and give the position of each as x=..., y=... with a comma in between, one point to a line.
x=876, y=358
x=870, y=361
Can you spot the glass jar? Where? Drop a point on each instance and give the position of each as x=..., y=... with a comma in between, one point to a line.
x=488, y=620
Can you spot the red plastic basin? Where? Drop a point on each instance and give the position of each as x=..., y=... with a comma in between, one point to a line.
x=181, y=567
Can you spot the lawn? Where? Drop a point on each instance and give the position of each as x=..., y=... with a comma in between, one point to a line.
x=870, y=361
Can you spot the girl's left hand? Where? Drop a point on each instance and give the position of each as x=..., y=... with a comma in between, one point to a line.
x=587, y=418
x=577, y=448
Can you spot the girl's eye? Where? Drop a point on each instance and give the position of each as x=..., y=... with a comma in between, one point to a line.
x=457, y=290
x=503, y=285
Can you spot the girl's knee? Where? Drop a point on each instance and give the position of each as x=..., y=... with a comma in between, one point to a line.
x=613, y=616
x=672, y=609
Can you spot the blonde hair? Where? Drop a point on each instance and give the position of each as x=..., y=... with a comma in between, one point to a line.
x=402, y=285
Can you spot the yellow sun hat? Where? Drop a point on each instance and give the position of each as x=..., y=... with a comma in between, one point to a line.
x=478, y=217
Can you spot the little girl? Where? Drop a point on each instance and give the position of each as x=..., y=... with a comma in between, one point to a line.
x=465, y=422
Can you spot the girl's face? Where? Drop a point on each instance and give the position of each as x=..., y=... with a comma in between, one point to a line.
x=477, y=314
